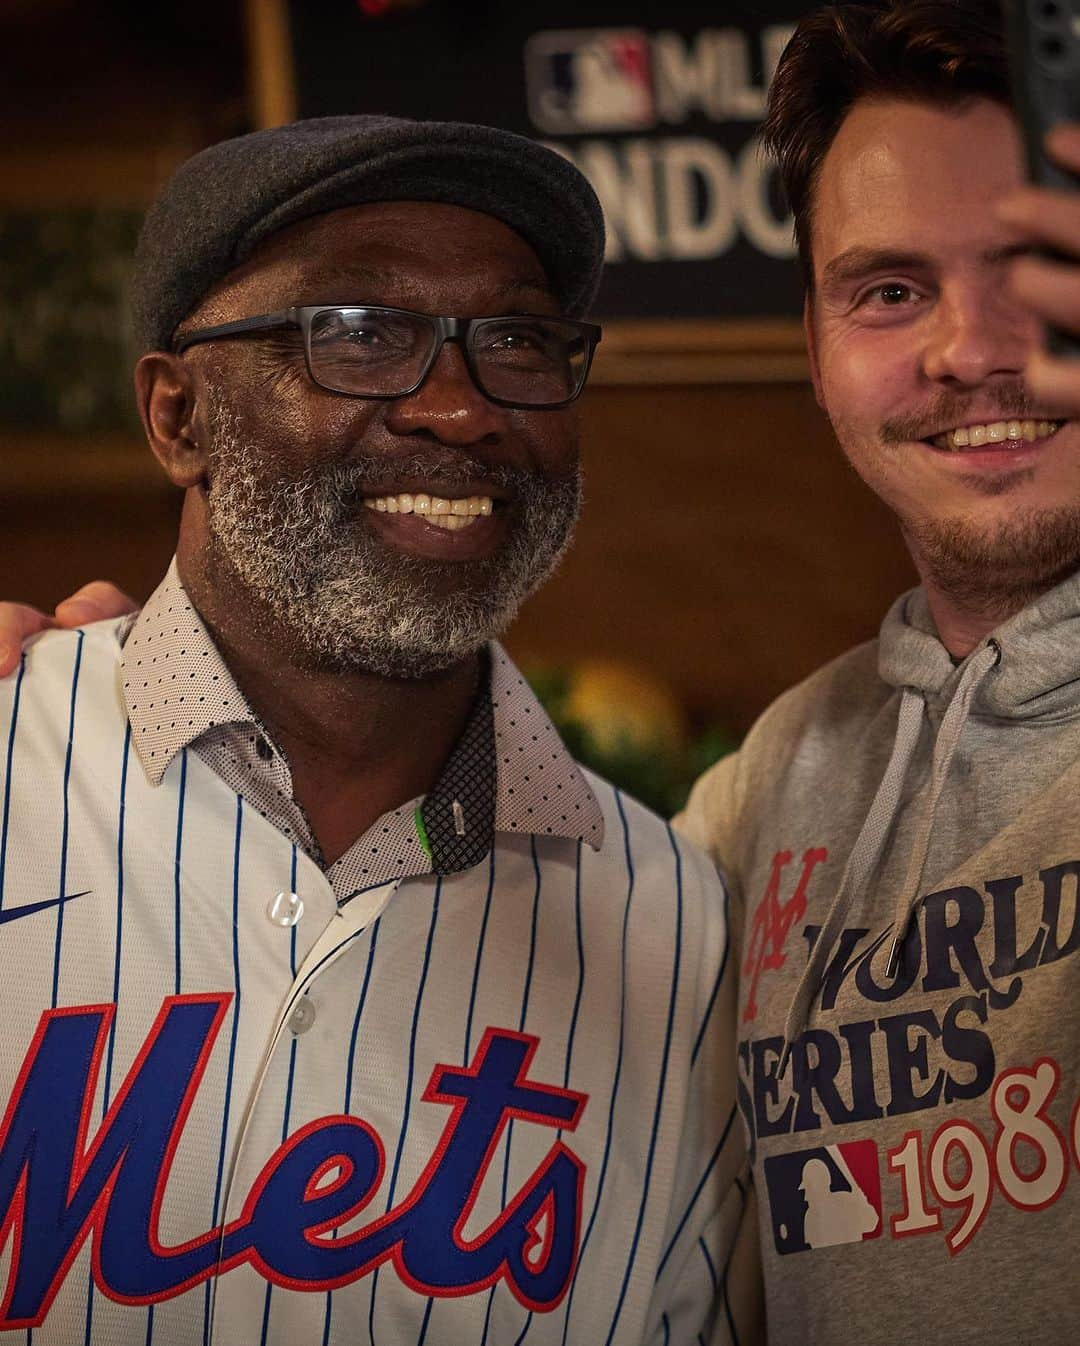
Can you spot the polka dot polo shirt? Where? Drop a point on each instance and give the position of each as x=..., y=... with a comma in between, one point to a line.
x=508, y=772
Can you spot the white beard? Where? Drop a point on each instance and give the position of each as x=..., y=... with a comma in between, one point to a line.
x=304, y=548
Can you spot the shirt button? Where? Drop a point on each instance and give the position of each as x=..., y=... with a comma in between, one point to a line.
x=285, y=909
x=302, y=1017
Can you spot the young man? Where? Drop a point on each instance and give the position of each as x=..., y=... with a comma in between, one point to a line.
x=900, y=832
x=341, y=1002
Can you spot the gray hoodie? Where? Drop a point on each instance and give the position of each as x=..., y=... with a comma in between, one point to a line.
x=901, y=837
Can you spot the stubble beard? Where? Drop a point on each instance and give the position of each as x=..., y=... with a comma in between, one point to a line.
x=993, y=569
x=996, y=572
x=304, y=549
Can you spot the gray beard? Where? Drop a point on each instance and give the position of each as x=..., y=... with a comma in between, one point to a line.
x=304, y=549
x=996, y=574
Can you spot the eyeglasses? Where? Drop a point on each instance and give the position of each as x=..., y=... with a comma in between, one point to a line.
x=366, y=351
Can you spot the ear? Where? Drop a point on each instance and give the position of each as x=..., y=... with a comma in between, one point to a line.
x=811, y=348
x=165, y=390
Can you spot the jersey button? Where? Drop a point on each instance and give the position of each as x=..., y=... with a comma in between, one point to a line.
x=285, y=909
x=302, y=1017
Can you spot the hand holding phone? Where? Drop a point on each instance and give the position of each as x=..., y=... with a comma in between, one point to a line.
x=1044, y=53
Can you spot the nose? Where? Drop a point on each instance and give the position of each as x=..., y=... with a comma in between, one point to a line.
x=976, y=333
x=448, y=405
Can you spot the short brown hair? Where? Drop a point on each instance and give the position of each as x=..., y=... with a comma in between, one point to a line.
x=934, y=51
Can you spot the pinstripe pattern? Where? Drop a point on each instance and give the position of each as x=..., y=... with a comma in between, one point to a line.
x=176, y=865
x=612, y=960
x=661, y=1083
x=408, y=1090
x=618, y=1058
x=62, y=886
x=288, y=1086
x=697, y=1191
x=118, y=940
x=725, y=1297
x=5, y=820
x=234, y=1026
x=707, y=1016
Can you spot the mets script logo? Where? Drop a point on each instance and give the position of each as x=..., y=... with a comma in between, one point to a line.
x=772, y=921
x=58, y=1188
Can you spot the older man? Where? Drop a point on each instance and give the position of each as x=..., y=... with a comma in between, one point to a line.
x=899, y=832
x=341, y=1001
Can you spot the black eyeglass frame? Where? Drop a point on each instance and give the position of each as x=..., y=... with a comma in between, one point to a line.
x=445, y=329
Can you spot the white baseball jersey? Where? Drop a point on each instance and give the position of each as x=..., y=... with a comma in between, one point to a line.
x=494, y=1107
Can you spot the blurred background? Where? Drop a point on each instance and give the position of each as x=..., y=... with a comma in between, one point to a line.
x=726, y=549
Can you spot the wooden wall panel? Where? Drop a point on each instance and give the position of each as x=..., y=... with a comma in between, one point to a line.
x=726, y=545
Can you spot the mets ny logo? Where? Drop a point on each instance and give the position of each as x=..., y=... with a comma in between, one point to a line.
x=976, y=942
x=59, y=1185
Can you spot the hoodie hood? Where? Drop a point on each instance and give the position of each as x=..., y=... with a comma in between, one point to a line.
x=1037, y=675
x=1026, y=670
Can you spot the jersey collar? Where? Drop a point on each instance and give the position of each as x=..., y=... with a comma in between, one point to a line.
x=508, y=772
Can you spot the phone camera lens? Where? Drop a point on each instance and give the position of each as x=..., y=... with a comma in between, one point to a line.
x=1051, y=9
x=1053, y=48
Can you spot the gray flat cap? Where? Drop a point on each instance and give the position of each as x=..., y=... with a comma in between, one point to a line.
x=225, y=200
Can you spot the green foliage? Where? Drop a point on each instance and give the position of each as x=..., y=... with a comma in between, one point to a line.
x=660, y=777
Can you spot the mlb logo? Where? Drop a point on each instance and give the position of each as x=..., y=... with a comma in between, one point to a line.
x=824, y=1196
x=590, y=80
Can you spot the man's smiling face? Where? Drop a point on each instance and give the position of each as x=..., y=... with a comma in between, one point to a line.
x=312, y=494
x=918, y=349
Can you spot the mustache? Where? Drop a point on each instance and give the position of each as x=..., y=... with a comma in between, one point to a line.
x=1010, y=400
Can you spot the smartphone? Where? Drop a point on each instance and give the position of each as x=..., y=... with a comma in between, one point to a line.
x=1044, y=57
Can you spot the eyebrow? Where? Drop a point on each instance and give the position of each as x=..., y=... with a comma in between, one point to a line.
x=859, y=262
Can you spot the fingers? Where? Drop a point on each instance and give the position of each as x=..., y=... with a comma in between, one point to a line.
x=1063, y=144
x=1054, y=383
x=1052, y=289
x=94, y=602
x=18, y=622
x=1050, y=219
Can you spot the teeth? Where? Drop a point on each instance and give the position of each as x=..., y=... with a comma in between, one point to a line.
x=448, y=514
x=996, y=432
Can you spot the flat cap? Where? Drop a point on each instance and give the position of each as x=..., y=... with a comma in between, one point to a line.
x=224, y=201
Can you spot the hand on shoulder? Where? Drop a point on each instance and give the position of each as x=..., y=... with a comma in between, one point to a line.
x=94, y=602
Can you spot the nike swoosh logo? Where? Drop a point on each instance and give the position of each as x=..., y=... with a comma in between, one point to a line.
x=13, y=913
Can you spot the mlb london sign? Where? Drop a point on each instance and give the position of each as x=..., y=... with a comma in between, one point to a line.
x=658, y=102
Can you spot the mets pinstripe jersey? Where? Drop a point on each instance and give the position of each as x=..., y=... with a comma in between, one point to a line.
x=492, y=1105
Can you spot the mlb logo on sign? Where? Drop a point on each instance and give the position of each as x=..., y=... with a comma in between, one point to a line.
x=590, y=80
x=824, y=1196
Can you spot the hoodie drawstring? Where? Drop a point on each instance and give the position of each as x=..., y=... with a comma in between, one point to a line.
x=948, y=739
x=866, y=852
